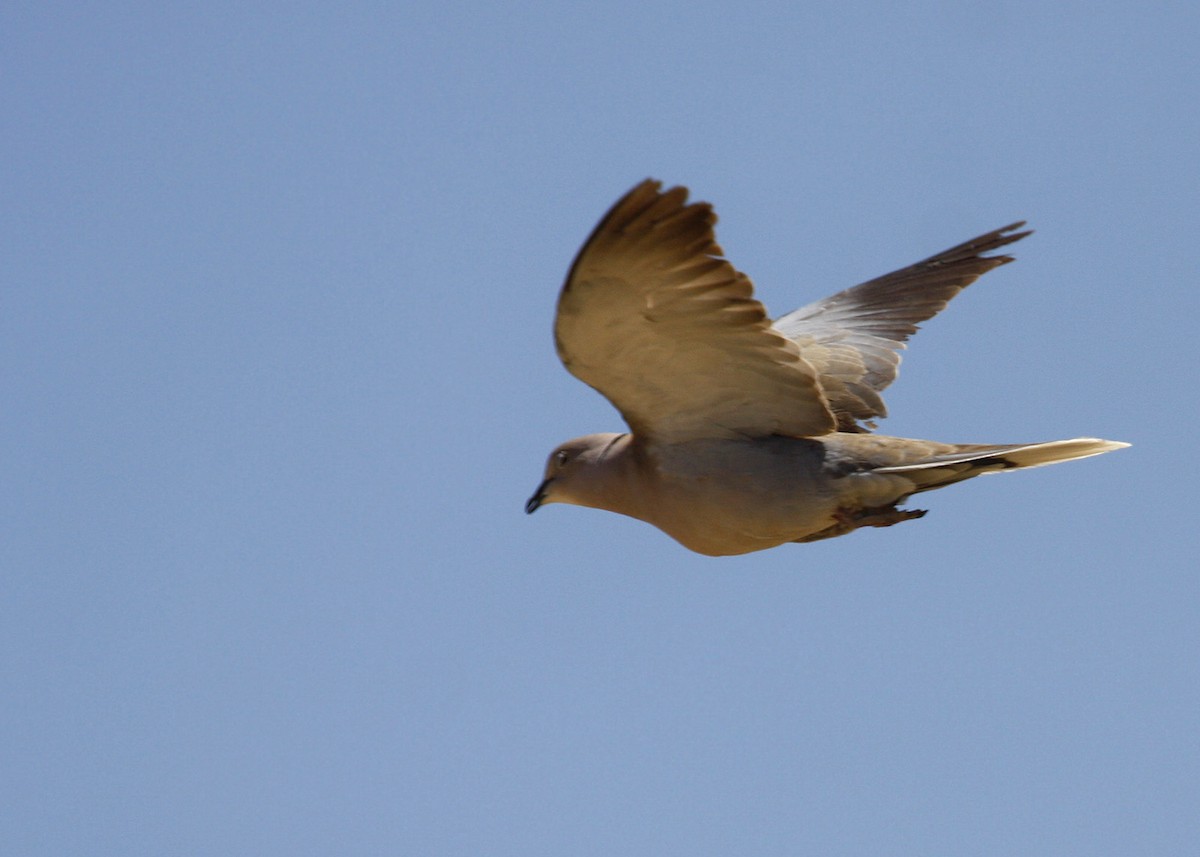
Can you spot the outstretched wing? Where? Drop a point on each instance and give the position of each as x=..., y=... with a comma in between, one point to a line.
x=854, y=338
x=655, y=319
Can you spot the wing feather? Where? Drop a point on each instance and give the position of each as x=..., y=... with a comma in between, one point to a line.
x=854, y=338
x=654, y=318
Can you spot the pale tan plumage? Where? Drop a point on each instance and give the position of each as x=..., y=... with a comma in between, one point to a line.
x=748, y=434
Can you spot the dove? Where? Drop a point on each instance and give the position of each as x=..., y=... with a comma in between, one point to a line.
x=745, y=434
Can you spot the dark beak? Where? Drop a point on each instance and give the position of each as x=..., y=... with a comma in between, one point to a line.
x=539, y=497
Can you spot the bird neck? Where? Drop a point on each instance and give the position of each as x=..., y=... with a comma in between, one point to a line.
x=614, y=478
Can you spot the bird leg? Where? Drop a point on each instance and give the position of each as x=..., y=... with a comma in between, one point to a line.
x=879, y=516
x=848, y=520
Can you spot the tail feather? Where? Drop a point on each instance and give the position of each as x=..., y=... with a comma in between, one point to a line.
x=1016, y=455
x=968, y=460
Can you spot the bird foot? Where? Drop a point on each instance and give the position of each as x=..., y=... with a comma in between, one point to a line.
x=880, y=516
x=849, y=520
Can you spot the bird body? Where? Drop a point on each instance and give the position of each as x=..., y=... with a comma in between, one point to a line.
x=747, y=434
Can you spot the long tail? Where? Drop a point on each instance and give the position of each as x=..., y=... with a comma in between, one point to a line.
x=968, y=460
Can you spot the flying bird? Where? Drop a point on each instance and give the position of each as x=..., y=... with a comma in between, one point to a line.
x=747, y=433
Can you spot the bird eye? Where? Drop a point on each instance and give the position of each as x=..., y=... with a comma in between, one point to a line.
x=562, y=457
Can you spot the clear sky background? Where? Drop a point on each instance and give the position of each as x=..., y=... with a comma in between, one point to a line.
x=277, y=376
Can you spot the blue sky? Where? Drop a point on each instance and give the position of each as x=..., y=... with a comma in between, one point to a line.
x=278, y=376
